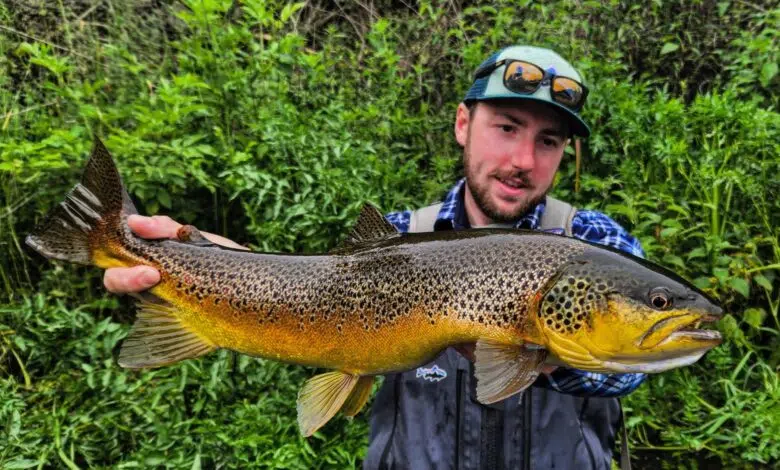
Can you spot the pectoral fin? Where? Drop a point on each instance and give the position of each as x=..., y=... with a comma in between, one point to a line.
x=321, y=397
x=505, y=369
x=359, y=396
x=158, y=337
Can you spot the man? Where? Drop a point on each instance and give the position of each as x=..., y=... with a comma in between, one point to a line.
x=514, y=125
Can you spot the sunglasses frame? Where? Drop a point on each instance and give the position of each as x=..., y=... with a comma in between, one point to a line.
x=486, y=70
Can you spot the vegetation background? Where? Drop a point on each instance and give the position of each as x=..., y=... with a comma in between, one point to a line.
x=272, y=122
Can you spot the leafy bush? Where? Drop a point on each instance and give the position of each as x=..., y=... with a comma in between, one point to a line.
x=271, y=123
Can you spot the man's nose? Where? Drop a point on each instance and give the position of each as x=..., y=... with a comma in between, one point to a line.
x=523, y=154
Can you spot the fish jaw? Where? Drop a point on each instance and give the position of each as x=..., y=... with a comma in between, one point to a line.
x=654, y=366
x=680, y=333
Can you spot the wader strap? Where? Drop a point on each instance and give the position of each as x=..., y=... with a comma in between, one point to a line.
x=557, y=214
x=422, y=220
x=625, y=457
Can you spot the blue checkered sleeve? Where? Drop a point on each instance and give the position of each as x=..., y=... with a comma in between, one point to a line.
x=598, y=228
x=400, y=220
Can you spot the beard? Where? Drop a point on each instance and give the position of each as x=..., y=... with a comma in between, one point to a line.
x=487, y=205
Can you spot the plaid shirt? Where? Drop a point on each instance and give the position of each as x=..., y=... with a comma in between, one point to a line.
x=587, y=225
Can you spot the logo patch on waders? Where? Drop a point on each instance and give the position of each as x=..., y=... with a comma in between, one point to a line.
x=433, y=374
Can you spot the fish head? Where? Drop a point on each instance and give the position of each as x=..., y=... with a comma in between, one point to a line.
x=609, y=312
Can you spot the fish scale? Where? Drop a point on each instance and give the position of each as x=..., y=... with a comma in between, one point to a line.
x=385, y=302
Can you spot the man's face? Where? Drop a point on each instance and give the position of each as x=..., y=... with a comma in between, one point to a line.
x=511, y=153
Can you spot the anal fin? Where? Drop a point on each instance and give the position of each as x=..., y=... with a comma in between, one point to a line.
x=158, y=338
x=505, y=369
x=321, y=398
x=359, y=396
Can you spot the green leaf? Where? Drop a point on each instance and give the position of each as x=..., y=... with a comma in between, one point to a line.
x=730, y=327
x=722, y=274
x=26, y=48
x=754, y=317
x=740, y=285
x=762, y=281
x=768, y=72
x=669, y=47
x=196, y=462
x=21, y=463
x=674, y=260
x=702, y=282
x=697, y=253
x=165, y=198
x=290, y=9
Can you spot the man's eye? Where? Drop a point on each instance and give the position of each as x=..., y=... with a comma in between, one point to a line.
x=550, y=142
x=507, y=128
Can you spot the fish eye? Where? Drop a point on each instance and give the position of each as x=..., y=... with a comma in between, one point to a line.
x=660, y=298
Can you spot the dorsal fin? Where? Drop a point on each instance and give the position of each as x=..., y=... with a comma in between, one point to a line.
x=371, y=226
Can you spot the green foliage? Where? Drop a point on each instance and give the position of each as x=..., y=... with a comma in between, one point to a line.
x=272, y=122
x=224, y=411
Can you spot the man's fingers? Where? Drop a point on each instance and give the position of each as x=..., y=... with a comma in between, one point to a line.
x=127, y=280
x=158, y=226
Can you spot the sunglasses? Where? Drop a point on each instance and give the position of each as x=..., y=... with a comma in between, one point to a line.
x=525, y=78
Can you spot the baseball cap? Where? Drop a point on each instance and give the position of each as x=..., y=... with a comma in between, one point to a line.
x=492, y=86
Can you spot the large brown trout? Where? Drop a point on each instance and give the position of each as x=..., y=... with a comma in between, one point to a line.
x=386, y=302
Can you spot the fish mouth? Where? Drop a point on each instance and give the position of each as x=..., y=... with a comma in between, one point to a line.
x=692, y=330
x=683, y=332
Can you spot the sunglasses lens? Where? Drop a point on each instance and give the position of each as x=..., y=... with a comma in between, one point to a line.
x=522, y=77
x=567, y=92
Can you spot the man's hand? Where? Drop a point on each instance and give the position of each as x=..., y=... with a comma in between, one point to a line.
x=141, y=278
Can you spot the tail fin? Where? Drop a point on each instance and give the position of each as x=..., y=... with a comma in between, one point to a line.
x=93, y=210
